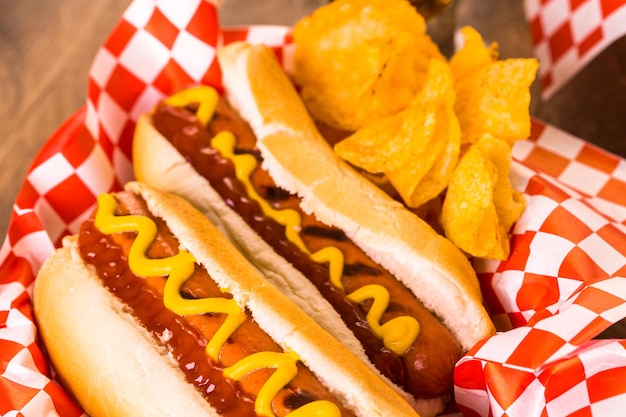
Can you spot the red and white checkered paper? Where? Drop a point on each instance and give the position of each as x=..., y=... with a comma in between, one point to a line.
x=568, y=34
x=562, y=285
x=560, y=288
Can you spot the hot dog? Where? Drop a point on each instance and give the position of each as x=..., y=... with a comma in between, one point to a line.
x=149, y=310
x=378, y=249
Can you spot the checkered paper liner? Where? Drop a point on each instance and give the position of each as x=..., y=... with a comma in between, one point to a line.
x=562, y=285
x=568, y=34
x=559, y=289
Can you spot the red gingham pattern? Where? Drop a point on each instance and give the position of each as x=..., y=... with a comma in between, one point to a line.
x=560, y=287
x=572, y=232
x=567, y=34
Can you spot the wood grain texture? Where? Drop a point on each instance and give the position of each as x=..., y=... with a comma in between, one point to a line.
x=46, y=49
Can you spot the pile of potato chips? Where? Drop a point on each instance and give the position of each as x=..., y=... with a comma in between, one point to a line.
x=435, y=129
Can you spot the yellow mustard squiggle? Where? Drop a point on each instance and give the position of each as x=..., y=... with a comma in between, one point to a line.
x=179, y=268
x=286, y=370
x=398, y=334
x=245, y=164
x=206, y=97
x=394, y=331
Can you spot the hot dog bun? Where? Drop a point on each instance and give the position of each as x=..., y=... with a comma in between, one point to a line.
x=114, y=367
x=300, y=160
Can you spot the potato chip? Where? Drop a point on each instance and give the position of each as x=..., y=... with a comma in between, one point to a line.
x=495, y=100
x=473, y=55
x=437, y=179
x=360, y=60
x=468, y=216
x=493, y=97
x=509, y=203
x=368, y=67
x=480, y=205
x=417, y=148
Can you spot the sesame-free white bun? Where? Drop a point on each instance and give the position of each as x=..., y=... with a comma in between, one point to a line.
x=300, y=161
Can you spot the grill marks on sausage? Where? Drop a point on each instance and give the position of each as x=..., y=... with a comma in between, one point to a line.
x=325, y=232
x=336, y=235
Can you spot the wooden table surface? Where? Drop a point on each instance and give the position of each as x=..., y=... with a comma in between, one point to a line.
x=46, y=49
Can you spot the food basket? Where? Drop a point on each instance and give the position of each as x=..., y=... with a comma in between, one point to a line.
x=562, y=285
